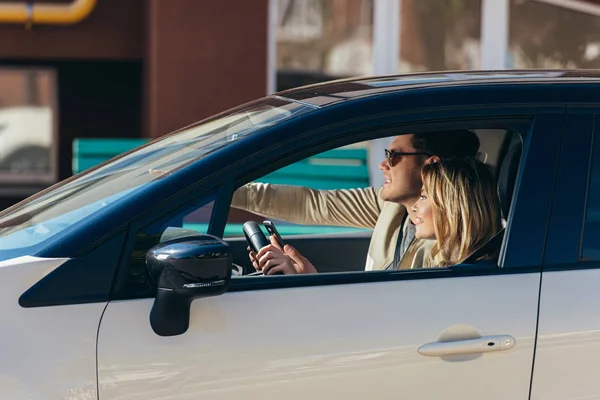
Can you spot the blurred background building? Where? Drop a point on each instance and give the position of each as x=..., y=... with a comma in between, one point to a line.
x=142, y=68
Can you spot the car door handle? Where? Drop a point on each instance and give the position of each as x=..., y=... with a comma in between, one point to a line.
x=486, y=344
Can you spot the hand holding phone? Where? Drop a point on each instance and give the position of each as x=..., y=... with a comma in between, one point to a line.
x=273, y=231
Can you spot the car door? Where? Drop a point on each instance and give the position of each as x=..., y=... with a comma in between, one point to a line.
x=568, y=347
x=464, y=332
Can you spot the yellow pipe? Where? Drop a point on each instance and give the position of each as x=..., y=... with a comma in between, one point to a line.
x=40, y=13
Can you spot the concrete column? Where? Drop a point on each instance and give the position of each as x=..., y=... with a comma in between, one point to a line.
x=272, y=46
x=386, y=36
x=386, y=55
x=494, y=33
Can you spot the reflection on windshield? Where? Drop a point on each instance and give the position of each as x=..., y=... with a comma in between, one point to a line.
x=415, y=79
x=70, y=202
x=32, y=234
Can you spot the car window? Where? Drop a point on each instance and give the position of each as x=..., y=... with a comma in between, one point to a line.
x=590, y=248
x=53, y=212
x=337, y=247
x=345, y=167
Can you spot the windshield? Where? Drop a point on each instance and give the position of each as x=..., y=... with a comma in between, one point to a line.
x=42, y=217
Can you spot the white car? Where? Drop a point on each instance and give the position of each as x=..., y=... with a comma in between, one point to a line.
x=112, y=286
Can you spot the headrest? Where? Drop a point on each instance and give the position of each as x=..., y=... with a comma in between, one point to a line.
x=508, y=174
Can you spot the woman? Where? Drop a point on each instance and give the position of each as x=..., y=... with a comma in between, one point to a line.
x=458, y=207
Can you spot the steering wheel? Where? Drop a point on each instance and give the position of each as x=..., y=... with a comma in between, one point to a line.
x=256, y=239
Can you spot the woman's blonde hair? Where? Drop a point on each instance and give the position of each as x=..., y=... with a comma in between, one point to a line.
x=465, y=206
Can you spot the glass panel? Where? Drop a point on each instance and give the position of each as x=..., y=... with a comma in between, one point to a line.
x=41, y=217
x=439, y=35
x=27, y=126
x=320, y=40
x=543, y=35
x=590, y=247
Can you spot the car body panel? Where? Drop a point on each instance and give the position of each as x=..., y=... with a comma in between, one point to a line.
x=568, y=342
x=47, y=352
x=343, y=341
x=350, y=340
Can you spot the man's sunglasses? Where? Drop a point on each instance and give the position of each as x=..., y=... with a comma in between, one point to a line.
x=391, y=154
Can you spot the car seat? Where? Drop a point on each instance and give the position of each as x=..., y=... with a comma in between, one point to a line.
x=507, y=177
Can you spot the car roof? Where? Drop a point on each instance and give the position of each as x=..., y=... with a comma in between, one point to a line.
x=332, y=92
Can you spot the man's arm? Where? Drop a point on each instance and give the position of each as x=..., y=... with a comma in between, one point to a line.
x=301, y=205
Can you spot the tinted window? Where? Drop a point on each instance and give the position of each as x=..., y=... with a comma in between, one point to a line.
x=590, y=249
x=50, y=214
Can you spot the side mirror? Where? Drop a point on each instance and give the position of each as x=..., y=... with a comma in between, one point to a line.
x=185, y=269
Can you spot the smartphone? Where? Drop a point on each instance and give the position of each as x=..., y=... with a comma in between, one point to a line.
x=273, y=231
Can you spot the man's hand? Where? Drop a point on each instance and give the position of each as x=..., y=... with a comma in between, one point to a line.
x=272, y=259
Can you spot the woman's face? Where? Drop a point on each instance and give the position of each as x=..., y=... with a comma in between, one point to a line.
x=422, y=218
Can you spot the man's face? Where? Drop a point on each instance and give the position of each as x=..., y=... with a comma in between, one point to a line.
x=403, y=179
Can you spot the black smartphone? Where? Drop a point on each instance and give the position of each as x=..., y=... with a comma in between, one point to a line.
x=273, y=231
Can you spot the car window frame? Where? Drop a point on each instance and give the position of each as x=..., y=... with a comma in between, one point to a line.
x=546, y=152
x=567, y=221
x=535, y=120
x=510, y=258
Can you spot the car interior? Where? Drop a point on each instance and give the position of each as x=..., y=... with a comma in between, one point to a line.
x=500, y=150
x=328, y=252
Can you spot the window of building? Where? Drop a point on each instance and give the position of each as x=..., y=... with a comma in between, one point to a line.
x=545, y=34
x=28, y=127
x=439, y=35
x=321, y=40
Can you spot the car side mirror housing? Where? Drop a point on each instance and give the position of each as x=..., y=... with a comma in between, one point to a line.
x=185, y=269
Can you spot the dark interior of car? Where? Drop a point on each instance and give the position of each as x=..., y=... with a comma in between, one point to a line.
x=338, y=252
x=499, y=149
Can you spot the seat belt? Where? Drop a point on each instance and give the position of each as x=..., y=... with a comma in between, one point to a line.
x=397, y=256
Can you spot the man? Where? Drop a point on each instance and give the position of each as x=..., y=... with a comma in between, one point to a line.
x=384, y=209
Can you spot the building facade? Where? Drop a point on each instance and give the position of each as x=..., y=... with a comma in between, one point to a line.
x=143, y=68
